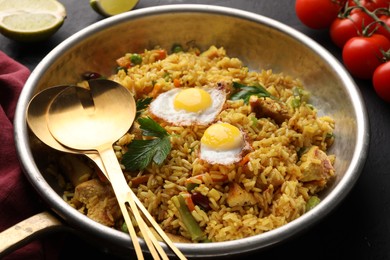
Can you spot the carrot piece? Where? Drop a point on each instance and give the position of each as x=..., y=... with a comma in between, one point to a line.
x=162, y=54
x=156, y=89
x=123, y=62
x=176, y=83
x=189, y=202
x=244, y=160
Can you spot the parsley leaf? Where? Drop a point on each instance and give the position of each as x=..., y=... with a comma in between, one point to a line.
x=141, y=104
x=142, y=152
x=150, y=127
x=245, y=92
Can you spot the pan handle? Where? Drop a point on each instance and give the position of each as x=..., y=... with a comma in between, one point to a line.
x=26, y=230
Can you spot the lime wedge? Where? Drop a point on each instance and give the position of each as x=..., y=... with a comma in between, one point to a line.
x=112, y=7
x=30, y=21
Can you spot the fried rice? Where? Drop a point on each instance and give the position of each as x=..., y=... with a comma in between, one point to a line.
x=275, y=182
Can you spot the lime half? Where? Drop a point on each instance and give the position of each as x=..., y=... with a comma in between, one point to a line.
x=30, y=20
x=112, y=7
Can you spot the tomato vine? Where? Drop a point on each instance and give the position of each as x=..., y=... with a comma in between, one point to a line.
x=361, y=29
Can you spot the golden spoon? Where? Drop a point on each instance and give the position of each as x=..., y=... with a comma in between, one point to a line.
x=36, y=120
x=92, y=120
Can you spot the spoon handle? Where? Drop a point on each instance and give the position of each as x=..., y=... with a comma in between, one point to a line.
x=157, y=227
x=96, y=158
x=124, y=196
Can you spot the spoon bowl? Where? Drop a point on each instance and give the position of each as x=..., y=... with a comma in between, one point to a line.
x=36, y=116
x=36, y=120
x=83, y=119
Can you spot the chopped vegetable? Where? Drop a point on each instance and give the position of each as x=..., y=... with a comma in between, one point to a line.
x=254, y=120
x=244, y=160
x=312, y=202
x=300, y=95
x=135, y=59
x=190, y=185
x=156, y=90
x=176, y=48
x=167, y=76
x=189, y=221
x=142, y=152
x=124, y=228
x=188, y=199
x=161, y=54
x=123, y=62
x=329, y=135
x=176, y=83
x=245, y=92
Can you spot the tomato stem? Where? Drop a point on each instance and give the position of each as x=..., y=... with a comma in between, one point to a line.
x=386, y=56
x=368, y=12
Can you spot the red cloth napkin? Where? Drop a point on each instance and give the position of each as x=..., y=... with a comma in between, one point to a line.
x=18, y=200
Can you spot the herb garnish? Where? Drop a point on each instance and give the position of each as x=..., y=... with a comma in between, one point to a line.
x=141, y=104
x=245, y=92
x=142, y=152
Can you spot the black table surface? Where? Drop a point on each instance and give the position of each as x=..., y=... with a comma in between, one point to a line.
x=358, y=229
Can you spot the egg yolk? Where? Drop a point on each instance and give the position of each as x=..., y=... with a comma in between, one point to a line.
x=192, y=100
x=222, y=136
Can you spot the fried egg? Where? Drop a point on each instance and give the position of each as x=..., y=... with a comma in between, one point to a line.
x=222, y=143
x=187, y=106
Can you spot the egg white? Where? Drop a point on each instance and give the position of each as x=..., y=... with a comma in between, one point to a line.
x=163, y=108
x=226, y=157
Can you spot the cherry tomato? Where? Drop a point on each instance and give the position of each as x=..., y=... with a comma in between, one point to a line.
x=343, y=29
x=381, y=81
x=317, y=14
x=381, y=29
x=371, y=5
x=382, y=3
x=362, y=55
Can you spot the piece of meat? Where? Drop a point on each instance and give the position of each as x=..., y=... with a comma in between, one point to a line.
x=75, y=169
x=237, y=196
x=268, y=107
x=315, y=165
x=99, y=200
